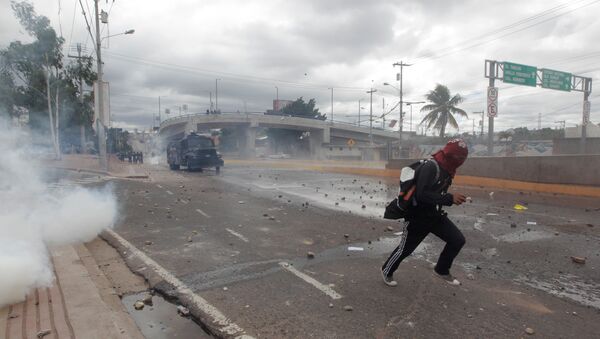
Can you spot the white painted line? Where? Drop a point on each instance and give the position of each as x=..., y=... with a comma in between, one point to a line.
x=202, y=212
x=243, y=238
x=323, y=288
x=225, y=325
x=159, y=186
x=169, y=192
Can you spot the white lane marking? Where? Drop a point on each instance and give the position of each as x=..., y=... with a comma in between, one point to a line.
x=243, y=238
x=219, y=319
x=169, y=192
x=159, y=186
x=323, y=288
x=202, y=212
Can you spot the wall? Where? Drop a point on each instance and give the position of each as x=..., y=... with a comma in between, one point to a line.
x=558, y=169
x=571, y=146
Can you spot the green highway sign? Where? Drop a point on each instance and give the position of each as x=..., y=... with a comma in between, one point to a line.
x=556, y=80
x=519, y=74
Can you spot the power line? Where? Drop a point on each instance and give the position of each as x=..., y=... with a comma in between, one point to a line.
x=230, y=76
x=73, y=23
x=503, y=35
x=87, y=24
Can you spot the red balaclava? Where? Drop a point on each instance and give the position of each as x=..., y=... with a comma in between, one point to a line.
x=452, y=155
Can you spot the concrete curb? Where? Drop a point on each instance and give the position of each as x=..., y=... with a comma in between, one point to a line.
x=576, y=190
x=169, y=290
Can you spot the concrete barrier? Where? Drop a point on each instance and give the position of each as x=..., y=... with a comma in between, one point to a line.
x=558, y=169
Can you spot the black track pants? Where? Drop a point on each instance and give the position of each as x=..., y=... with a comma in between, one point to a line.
x=415, y=231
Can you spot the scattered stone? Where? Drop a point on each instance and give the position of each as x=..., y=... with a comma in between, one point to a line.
x=363, y=206
x=147, y=299
x=578, y=260
x=189, y=239
x=225, y=288
x=348, y=308
x=513, y=225
x=389, y=228
x=530, y=331
x=346, y=235
x=183, y=311
x=589, y=225
x=43, y=333
x=195, y=232
x=343, y=198
x=241, y=202
x=271, y=217
x=310, y=255
x=330, y=305
x=470, y=276
x=337, y=203
x=138, y=305
x=469, y=316
x=477, y=267
x=148, y=242
x=280, y=196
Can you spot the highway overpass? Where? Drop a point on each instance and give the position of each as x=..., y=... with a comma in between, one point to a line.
x=322, y=133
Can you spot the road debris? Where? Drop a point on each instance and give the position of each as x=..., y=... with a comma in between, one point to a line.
x=43, y=333
x=353, y=248
x=520, y=207
x=183, y=311
x=531, y=223
x=310, y=255
x=241, y=202
x=470, y=276
x=148, y=299
x=578, y=260
x=138, y=305
x=348, y=308
x=148, y=242
x=389, y=228
x=513, y=225
x=530, y=331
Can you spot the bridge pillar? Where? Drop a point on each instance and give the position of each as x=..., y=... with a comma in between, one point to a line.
x=315, y=142
x=247, y=141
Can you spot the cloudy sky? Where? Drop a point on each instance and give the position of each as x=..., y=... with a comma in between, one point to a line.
x=304, y=48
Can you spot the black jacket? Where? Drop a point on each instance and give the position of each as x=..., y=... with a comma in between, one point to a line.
x=431, y=195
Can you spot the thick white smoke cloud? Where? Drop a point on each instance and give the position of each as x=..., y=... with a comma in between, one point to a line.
x=34, y=218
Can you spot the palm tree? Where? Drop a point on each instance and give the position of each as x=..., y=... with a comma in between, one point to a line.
x=441, y=109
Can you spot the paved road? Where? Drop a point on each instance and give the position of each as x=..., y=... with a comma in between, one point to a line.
x=240, y=240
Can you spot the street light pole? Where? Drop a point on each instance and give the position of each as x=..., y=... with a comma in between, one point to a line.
x=410, y=103
x=277, y=97
x=371, y=115
x=401, y=64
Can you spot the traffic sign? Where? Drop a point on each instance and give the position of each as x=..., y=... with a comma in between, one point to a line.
x=350, y=142
x=519, y=74
x=492, y=102
x=556, y=80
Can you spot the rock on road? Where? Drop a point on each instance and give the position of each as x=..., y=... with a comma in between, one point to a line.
x=241, y=239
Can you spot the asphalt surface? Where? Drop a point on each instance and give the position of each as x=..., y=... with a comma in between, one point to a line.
x=241, y=240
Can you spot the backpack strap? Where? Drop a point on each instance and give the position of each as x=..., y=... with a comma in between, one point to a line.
x=437, y=169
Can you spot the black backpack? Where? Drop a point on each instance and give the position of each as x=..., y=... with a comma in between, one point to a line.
x=399, y=207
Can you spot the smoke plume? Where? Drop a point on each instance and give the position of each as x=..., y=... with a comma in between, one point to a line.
x=33, y=218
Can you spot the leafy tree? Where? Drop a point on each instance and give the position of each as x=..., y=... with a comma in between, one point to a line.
x=46, y=89
x=302, y=109
x=442, y=108
x=285, y=140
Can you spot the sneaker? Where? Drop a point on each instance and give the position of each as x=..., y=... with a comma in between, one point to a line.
x=388, y=280
x=449, y=278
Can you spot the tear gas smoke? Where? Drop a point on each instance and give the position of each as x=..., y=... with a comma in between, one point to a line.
x=34, y=218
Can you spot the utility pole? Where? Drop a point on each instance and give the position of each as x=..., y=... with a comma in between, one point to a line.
x=358, y=112
x=371, y=116
x=79, y=57
x=217, y=94
x=482, y=116
x=277, y=98
x=331, y=104
x=383, y=113
x=587, y=89
x=100, y=94
x=401, y=64
x=159, y=119
x=539, y=121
